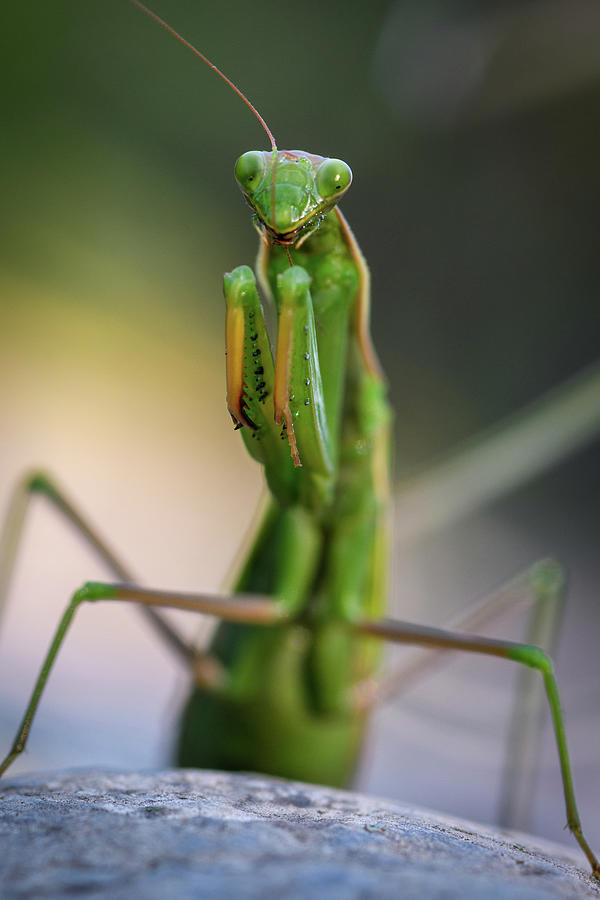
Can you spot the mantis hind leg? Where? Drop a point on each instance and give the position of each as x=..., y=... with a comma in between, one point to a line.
x=39, y=483
x=249, y=609
x=526, y=654
x=541, y=589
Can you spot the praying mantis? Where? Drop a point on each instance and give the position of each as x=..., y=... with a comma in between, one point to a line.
x=315, y=493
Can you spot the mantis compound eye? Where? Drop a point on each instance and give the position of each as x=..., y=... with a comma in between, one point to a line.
x=333, y=177
x=249, y=170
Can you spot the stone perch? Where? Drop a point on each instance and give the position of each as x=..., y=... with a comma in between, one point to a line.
x=194, y=834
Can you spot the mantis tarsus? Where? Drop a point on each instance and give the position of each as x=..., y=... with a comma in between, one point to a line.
x=336, y=591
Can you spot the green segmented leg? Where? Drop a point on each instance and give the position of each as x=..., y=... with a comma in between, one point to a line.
x=401, y=677
x=542, y=589
x=247, y=609
x=41, y=484
x=547, y=581
x=265, y=611
x=527, y=655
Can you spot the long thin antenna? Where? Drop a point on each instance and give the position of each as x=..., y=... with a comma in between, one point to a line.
x=212, y=66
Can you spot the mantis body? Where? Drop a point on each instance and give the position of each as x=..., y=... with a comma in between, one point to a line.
x=318, y=420
x=278, y=689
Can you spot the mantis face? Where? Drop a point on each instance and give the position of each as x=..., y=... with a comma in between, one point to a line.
x=290, y=191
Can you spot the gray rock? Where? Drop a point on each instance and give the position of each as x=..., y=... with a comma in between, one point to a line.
x=193, y=834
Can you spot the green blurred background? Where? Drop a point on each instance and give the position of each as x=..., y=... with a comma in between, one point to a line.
x=473, y=130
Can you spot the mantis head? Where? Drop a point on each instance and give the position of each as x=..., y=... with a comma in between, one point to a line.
x=290, y=191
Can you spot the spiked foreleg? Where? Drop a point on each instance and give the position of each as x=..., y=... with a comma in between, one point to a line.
x=280, y=407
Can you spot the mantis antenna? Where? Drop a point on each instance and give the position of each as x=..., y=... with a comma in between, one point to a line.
x=211, y=65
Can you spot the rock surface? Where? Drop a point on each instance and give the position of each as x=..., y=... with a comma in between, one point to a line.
x=194, y=834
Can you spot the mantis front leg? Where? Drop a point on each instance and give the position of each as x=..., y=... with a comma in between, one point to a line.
x=281, y=404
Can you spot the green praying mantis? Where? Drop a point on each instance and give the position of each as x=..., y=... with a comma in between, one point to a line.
x=282, y=686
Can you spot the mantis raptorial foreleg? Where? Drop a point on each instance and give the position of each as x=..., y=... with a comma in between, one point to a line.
x=280, y=401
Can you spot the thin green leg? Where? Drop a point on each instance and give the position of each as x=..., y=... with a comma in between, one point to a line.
x=243, y=608
x=542, y=588
x=519, y=591
x=547, y=587
x=39, y=483
x=526, y=654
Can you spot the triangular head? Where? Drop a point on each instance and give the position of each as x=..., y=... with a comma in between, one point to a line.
x=290, y=191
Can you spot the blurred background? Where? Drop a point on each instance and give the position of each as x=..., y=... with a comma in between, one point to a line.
x=474, y=135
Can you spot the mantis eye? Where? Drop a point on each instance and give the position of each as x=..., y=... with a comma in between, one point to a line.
x=250, y=169
x=333, y=178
